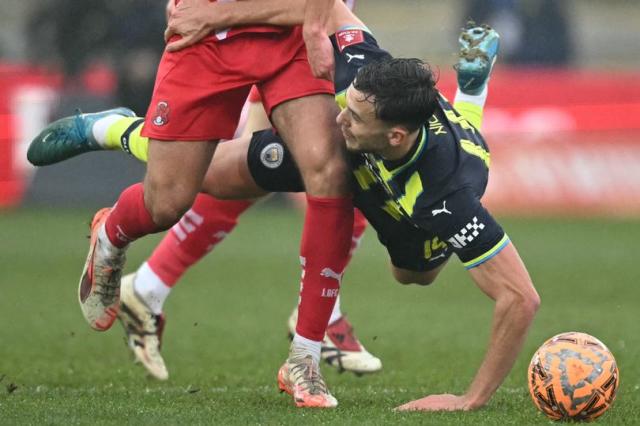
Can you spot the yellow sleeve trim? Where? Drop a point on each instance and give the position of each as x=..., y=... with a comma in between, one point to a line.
x=489, y=254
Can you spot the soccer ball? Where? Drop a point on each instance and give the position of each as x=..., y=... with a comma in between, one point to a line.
x=573, y=376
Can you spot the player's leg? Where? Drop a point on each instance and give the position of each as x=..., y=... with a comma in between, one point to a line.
x=341, y=348
x=199, y=231
x=416, y=258
x=316, y=146
x=203, y=227
x=169, y=191
x=272, y=169
x=478, y=50
x=182, y=107
x=407, y=276
x=323, y=168
x=230, y=178
x=307, y=124
x=75, y=135
x=208, y=221
x=138, y=212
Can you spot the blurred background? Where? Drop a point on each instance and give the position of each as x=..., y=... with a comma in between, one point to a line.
x=561, y=116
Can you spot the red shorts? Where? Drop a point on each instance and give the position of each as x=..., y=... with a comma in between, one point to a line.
x=200, y=90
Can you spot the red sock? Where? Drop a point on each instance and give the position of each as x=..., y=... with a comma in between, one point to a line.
x=129, y=218
x=206, y=224
x=324, y=251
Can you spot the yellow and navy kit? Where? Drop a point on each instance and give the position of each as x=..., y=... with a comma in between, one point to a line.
x=425, y=206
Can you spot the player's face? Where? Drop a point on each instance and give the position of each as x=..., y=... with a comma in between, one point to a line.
x=361, y=129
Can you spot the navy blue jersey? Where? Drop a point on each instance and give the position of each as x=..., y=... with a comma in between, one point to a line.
x=425, y=206
x=428, y=203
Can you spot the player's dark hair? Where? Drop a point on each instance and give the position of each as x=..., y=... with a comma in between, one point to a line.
x=402, y=91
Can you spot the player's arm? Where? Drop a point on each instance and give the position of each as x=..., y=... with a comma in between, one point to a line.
x=195, y=19
x=505, y=279
x=316, y=38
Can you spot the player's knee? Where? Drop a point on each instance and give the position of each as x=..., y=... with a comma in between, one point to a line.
x=166, y=214
x=167, y=207
x=328, y=178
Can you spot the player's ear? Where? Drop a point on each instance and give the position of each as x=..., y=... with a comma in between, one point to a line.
x=397, y=135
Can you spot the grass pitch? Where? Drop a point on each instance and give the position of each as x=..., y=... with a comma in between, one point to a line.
x=226, y=331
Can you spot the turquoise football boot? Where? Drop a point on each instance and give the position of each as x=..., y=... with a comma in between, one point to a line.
x=478, y=52
x=68, y=137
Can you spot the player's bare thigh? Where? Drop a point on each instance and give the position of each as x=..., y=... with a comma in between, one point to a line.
x=406, y=276
x=308, y=127
x=170, y=187
x=228, y=176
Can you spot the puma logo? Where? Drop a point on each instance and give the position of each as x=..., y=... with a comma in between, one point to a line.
x=442, y=210
x=350, y=57
x=330, y=273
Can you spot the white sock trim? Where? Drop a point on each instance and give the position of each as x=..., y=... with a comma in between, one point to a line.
x=105, y=243
x=101, y=126
x=472, y=99
x=301, y=347
x=150, y=288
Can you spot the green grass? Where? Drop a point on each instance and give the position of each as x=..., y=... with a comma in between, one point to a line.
x=226, y=333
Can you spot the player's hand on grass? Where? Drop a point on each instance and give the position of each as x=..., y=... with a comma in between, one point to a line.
x=320, y=54
x=444, y=402
x=190, y=19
